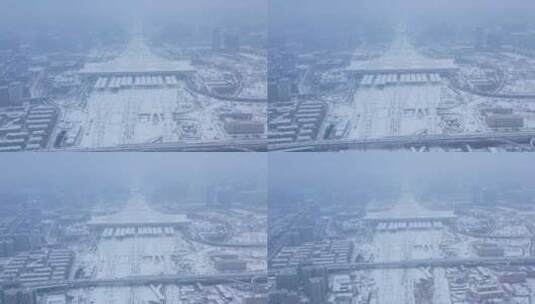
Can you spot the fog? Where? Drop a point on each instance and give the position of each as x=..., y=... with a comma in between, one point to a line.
x=66, y=14
x=368, y=176
x=103, y=175
x=305, y=20
x=329, y=13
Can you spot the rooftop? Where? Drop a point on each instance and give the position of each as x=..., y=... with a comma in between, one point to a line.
x=138, y=213
x=408, y=209
x=401, y=57
x=137, y=59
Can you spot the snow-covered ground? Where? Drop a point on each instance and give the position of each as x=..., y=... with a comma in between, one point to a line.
x=140, y=116
x=134, y=116
x=390, y=111
x=397, y=285
x=133, y=256
x=407, y=109
x=171, y=294
x=407, y=245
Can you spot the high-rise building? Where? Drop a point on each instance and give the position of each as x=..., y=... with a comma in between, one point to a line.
x=6, y=248
x=231, y=41
x=287, y=279
x=35, y=239
x=211, y=197
x=216, y=39
x=315, y=290
x=4, y=96
x=11, y=296
x=21, y=242
x=309, y=272
x=224, y=196
x=488, y=39
x=273, y=91
x=480, y=39
x=27, y=296
x=284, y=89
x=15, y=93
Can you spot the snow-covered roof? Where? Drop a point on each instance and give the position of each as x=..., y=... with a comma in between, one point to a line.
x=138, y=213
x=138, y=59
x=403, y=58
x=408, y=209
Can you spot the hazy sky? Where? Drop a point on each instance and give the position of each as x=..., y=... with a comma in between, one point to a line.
x=343, y=173
x=50, y=171
x=291, y=169
x=68, y=12
x=309, y=15
x=349, y=171
x=338, y=14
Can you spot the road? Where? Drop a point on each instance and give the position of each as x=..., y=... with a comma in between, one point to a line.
x=466, y=262
x=219, y=146
x=397, y=142
x=207, y=279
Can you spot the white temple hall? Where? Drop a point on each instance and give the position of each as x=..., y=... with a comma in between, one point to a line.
x=137, y=218
x=398, y=93
x=137, y=66
x=401, y=63
x=407, y=213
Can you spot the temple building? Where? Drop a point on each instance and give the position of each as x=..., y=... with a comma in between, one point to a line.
x=407, y=213
x=137, y=66
x=402, y=61
x=137, y=218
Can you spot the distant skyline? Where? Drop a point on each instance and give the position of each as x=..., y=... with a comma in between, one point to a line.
x=324, y=23
x=335, y=174
x=64, y=172
x=74, y=13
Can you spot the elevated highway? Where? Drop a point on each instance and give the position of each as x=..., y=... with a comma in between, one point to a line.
x=468, y=262
x=219, y=146
x=493, y=139
x=464, y=262
x=206, y=279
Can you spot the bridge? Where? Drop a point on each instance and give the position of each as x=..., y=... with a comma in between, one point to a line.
x=490, y=139
x=258, y=145
x=465, y=262
x=179, y=279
